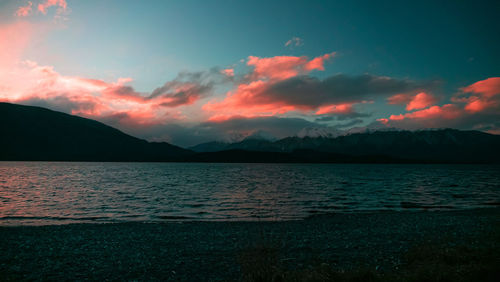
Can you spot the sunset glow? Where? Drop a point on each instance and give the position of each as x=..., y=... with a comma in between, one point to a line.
x=297, y=81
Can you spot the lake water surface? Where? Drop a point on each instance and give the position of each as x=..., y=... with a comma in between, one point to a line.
x=34, y=193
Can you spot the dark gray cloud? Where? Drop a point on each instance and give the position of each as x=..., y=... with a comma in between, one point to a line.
x=188, y=87
x=329, y=119
x=337, y=89
x=280, y=125
x=340, y=117
x=175, y=93
x=59, y=103
x=348, y=124
x=185, y=89
x=230, y=130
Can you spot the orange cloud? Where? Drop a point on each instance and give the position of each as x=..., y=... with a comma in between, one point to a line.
x=477, y=107
x=413, y=101
x=42, y=7
x=399, y=99
x=448, y=111
x=334, y=95
x=24, y=11
x=476, y=104
x=318, y=62
x=485, y=95
x=283, y=67
x=229, y=72
x=33, y=84
x=420, y=101
x=335, y=109
x=250, y=99
x=24, y=81
x=488, y=88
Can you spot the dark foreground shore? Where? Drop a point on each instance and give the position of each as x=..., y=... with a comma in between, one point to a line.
x=377, y=246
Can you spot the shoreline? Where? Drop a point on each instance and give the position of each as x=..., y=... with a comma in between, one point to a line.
x=213, y=250
x=34, y=221
x=371, y=160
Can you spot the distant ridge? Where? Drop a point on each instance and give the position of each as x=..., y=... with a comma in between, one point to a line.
x=39, y=134
x=434, y=145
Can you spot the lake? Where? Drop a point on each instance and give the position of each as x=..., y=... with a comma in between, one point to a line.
x=40, y=193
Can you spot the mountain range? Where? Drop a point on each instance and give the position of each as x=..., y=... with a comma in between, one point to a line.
x=34, y=133
x=448, y=145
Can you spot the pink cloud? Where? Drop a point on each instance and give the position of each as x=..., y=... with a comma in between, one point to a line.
x=383, y=120
x=420, y=101
x=448, y=111
x=34, y=84
x=448, y=115
x=335, y=109
x=398, y=99
x=246, y=100
x=283, y=67
x=489, y=87
x=229, y=72
x=23, y=81
x=24, y=11
x=279, y=67
x=477, y=106
x=318, y=62
x=42, y=7
x=251, y=99
x=484, y=95
x=413, y=101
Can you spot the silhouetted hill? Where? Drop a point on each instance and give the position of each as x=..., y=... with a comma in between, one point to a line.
x=34, y=133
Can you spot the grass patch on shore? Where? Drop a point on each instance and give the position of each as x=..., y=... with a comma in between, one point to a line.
x=420, y=264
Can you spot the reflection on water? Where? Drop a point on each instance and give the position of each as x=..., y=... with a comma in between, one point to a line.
x=55, y=193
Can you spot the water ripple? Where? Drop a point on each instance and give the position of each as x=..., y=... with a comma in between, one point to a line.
x=60, y=193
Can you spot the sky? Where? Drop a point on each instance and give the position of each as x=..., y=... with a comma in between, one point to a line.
x=188, y=72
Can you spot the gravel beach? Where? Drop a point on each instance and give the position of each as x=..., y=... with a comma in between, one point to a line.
x=201, y=251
